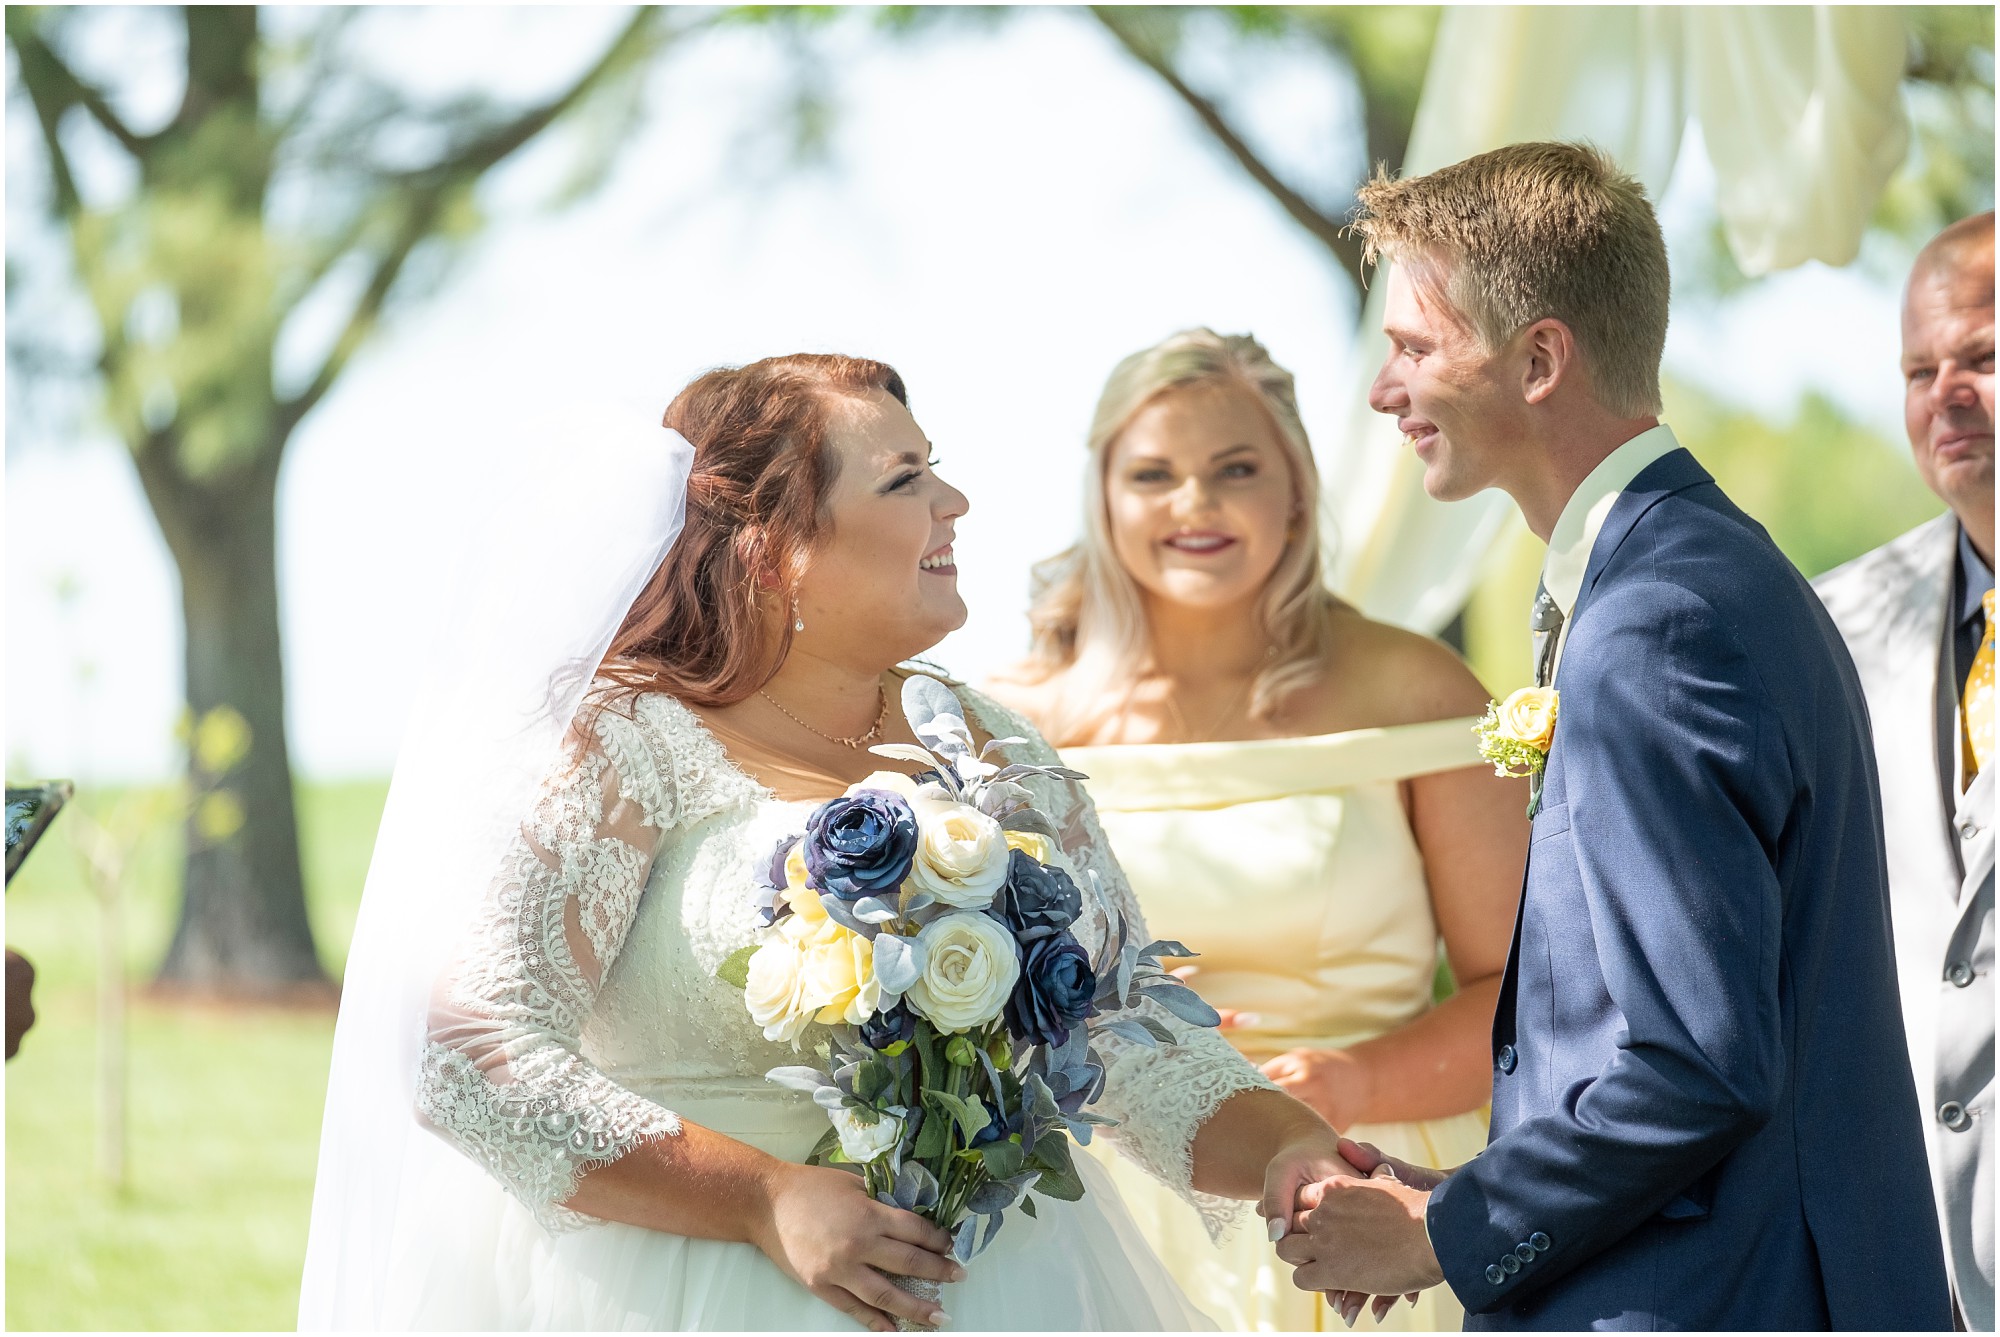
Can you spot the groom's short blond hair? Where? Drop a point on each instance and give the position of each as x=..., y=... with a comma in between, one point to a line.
x=1534, y=231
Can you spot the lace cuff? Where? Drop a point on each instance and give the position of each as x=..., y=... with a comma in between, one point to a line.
x=1162, y=1097
x=539, y=1134
x=502, y=1077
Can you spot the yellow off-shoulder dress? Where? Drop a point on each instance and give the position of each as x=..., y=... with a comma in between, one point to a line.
x=1289, y=865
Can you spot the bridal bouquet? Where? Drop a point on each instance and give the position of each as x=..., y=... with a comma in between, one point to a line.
x=923, y=926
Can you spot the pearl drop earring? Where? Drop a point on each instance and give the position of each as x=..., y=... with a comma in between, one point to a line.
x=798, y=623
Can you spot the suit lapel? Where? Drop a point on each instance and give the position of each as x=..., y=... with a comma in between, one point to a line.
x=1675, y=471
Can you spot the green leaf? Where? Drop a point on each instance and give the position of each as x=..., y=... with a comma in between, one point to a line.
x=1004, y=1159
x=735, y=972
x=1059, y=1177
x=827, y=1146
x=1028, y=1206
x=932, y=1137
x=871, y=1080
x=970, y=1115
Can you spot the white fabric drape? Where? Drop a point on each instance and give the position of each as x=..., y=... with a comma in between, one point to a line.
x=1801, y=113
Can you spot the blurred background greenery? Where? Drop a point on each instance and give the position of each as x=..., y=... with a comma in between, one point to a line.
x=306, y=190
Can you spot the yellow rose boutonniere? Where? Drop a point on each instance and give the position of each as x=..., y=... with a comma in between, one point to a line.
x=1515, y=734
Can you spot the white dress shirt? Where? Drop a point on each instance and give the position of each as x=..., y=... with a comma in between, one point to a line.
x=1583, y=517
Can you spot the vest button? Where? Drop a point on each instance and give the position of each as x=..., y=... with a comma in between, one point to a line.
x=1508, y=1058
x=1954, y=1116
x=1960, y=974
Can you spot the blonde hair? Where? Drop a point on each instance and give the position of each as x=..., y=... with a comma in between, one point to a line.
x=1534, y=231
x=1087, y=615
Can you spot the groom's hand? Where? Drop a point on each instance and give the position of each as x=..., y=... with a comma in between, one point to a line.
x=1367, y=1158
x=1363, y=1235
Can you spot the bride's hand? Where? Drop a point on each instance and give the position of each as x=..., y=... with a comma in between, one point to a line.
x=826, y=1233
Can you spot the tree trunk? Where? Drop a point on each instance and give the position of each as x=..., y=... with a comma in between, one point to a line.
x=243, y=930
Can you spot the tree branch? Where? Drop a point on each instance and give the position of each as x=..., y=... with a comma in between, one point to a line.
x=430, y=186
x=490, y=149
x=60, y=82
x=1329, y=232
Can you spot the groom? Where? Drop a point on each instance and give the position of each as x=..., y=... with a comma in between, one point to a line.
x=1703, y=1114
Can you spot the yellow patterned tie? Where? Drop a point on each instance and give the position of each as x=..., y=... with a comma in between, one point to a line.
x=1976, y=706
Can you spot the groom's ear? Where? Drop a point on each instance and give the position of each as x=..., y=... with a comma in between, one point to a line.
x=1550, y=358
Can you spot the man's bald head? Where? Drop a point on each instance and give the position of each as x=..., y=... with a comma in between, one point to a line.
x=1948, y=371
x=1963, y=251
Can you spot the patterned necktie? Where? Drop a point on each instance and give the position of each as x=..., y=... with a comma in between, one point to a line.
x=1546, y=622
x=1975, y=707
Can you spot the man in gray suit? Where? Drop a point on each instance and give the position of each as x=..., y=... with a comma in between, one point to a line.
x=1917, y=616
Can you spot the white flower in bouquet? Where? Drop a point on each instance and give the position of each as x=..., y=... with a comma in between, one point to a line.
x=863, y=1142
x=775, y=992
x=893, y=781
x=961, y=854
x=838, y=973
x=970, y=968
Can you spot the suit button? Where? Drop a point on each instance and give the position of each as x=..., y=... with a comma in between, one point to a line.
x=1954, y=1116
x=1540, y=1242
x=1525, y=1252
x=1508, y=1058
x=1495, y=1275
x=1960, y=974
x=1510, y=1262
x=1969, y=829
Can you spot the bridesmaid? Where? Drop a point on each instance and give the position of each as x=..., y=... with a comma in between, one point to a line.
x=1288, y=784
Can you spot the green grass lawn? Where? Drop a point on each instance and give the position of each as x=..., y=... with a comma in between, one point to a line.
x=223, y=1106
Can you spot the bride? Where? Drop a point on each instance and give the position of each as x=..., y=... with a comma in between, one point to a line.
x=544, y=1110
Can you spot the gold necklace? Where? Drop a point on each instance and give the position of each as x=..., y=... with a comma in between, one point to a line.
x=1181, y=723
x=874, y=733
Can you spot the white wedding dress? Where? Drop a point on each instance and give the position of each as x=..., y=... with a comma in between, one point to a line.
x=584, y=1017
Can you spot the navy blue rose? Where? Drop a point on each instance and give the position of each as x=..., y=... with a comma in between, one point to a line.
x=886, y=1028
x=861, y=845
x=1037, y=901
x=1054, y=992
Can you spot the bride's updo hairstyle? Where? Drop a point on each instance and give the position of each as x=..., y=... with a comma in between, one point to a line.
x=1087, y=615
x=712, y=625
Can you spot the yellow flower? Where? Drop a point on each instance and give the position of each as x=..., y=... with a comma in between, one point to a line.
x=1033, y=844
x=838, y=977
x=1528, y=717
x=808, y=921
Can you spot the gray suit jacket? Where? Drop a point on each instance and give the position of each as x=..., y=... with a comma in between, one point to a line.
x=1891, y=605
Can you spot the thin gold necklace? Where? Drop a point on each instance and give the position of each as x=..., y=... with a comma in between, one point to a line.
x=1180, y=720
x=857, y=743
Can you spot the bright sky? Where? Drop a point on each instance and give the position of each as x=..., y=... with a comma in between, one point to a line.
x=1006, y=215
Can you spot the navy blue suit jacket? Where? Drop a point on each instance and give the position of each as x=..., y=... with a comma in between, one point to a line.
x=1703, y=1113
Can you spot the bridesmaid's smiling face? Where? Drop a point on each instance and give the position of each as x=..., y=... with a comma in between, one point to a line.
x=1200, y=495
x=883, y=583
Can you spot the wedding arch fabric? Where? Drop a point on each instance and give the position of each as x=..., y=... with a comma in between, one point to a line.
x=563, y=547
x=1800, y=109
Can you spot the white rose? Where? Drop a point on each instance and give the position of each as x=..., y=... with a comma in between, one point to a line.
x=893, y=781
x=970, y=967
x=862, y=1142
x=775, y=991
x=961, y=854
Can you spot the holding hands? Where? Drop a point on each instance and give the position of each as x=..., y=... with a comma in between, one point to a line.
x=1360, y=1232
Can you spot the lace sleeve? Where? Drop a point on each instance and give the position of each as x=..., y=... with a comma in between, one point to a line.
x=1161, y=1096
x=502, y=1077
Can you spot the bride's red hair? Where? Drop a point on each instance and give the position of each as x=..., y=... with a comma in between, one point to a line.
x=713, y=624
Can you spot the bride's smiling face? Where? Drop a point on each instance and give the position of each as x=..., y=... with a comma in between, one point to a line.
x=883, y=583
x=1200, y=495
